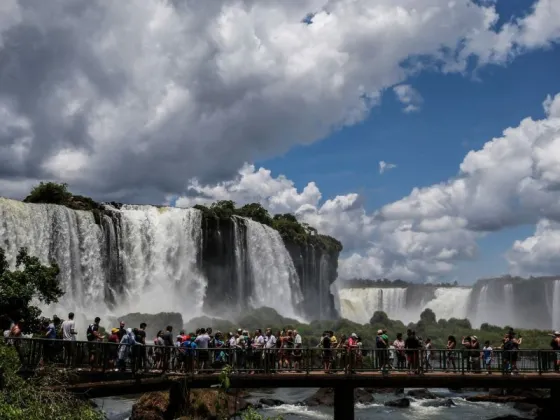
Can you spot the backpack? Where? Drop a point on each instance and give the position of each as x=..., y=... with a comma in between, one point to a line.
x=89, y=333
x=379, y=342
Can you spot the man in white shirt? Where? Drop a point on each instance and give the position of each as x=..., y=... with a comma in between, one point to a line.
x=69, y=337
x=202, y=344
x=258, y=345
x=270, y=349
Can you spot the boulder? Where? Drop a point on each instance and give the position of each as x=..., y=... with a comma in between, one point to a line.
x=325, y=396
x=400, y=403
x=525, y=407
x=422, y=394
x=203, y=404
x=438, y=403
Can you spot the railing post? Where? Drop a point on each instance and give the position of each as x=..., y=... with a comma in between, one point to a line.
x=462, y=356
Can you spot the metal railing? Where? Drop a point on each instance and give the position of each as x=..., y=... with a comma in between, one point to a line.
x=35, y=353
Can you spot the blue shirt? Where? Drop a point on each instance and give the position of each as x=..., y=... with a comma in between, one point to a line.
x=51, y=331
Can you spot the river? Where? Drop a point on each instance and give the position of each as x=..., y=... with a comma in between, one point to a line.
x=119, y=408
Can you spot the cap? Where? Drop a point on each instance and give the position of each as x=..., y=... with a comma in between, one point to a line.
x=379, y=331
x=354, y=335
x=114, y=330
x=556, y=332
x=475, y=337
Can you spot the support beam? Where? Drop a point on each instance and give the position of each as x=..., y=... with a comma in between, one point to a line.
x=344, y=402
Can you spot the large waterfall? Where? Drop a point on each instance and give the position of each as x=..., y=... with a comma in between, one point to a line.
x=150, y=259
x=274, y=279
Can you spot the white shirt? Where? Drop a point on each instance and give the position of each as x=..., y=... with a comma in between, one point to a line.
x=259, y=342
x=270, y=342
x=297, y=339
x=67, y=330
x=202, y=341
x=232, y=342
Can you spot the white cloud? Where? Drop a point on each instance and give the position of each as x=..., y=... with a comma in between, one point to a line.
x=537, y=254
x=150, y=93
x=512, y=180
x=385, y=166
x=409, y=97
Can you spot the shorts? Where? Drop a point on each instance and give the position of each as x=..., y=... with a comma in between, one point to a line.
x=488, y=361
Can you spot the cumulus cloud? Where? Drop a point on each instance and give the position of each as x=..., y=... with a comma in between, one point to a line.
x=385, y=166
x=512, y=180
x=131, y=98
x=409, y=97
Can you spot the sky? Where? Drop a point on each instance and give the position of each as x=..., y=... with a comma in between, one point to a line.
x=423, y=134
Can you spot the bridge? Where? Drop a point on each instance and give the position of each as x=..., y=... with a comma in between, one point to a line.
x=156, y=368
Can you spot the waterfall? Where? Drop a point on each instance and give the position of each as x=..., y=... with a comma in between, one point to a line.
x=159, y=253
x=274, y=279
x=240, y=261
x=139, y=259
x=556, y=305
x=359, y=304
x=449, y=302
x=56, y=233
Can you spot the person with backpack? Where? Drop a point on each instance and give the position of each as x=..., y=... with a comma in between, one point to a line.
x=93, y=336
x=381, y=351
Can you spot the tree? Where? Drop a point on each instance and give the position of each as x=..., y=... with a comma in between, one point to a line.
x=379, y=317
x=256, y=212
x=49, y=193
x=428, y=317
x=30, y=281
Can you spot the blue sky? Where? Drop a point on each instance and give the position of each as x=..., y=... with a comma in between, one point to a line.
x=459, y=113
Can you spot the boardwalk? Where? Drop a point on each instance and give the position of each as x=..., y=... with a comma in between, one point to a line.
x=93, y=372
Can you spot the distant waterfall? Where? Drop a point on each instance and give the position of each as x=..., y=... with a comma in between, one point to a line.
x=556, y=305
x=359, y=304
x=274, y=279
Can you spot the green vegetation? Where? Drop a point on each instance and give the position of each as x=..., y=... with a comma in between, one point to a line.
x=287, y=224
x=54, y=193
x=427, y=326
x=31, y=400
x=19, y=288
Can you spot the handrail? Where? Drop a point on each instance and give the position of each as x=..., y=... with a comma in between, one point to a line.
x=97, y=355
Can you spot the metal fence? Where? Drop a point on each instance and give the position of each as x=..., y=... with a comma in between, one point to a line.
x=36, y=352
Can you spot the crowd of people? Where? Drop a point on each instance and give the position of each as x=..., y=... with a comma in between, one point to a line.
x=272, y=350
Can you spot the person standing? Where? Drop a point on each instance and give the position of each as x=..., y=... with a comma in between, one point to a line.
x=93, y=336
x=202, y=345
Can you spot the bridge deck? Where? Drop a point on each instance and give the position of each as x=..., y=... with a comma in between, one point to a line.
x=111, y=385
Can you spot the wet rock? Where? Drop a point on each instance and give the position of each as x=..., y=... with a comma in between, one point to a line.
x=271, y=402
x=325, y=396
x=422, y=394
x=362, y=396
x=400, y=403
x=438, y=403
x=525, y=407
x=202, y=404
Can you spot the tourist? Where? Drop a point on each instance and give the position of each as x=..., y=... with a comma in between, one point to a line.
x=412, y=345
x=93, y=336
x=258, y=346
x=351, y=348
x=451, y=347
x=113, y=350
x=400, y=351
x=475, y=354
x=298, y=351
x=381, y=345
x=122, y=330
x=428, y=355
x=327, y=355
x=467, y=346
x=139, y=350
x=202, y=344
x=270, y=350
x=168, y=343
x=555, y=344
x=487, y=354
x=125, y=349
x=69, y=337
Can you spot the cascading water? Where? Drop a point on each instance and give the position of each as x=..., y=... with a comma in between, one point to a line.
x=159, y=253
x=274, y=279
x=240, y=260
x=449, y=302
x=359, y=304
x=56, y=233
x=138, y=259
x=556, y=305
